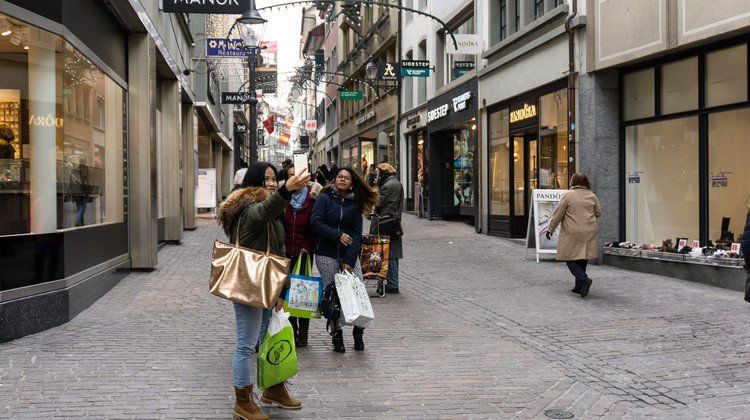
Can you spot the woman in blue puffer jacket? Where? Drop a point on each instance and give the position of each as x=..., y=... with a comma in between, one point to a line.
x=337, y=225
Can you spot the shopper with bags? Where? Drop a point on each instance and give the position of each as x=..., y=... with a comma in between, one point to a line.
x=746, y=252
x=337, y=225
x=577, y=214
x=299, y=243
x=254, y=212
x=388, y=222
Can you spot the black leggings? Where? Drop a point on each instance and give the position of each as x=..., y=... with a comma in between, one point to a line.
x=578, y=269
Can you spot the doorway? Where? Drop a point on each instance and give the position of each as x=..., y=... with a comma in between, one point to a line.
x=525, y=178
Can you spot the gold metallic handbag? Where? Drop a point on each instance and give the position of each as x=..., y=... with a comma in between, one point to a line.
x=247, y=276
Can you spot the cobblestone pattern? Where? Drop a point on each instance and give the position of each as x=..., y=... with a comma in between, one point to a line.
x=477, y=332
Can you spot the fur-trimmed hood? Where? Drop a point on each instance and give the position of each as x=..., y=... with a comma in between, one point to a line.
x=236, y=203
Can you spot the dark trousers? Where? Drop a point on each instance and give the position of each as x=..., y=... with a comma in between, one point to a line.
x=578, y=269
x=299, y=323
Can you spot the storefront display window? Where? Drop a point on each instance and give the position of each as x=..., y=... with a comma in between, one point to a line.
x=662, y=189
x=463, y=166
x=729, y=174
x=726, y=76
x=387, y=147
x=499, y=170
x=679, y=86
x=61, y=124
x=553, y=141
x=638, y=94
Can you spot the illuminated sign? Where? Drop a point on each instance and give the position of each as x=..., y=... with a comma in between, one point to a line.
x=528, y=111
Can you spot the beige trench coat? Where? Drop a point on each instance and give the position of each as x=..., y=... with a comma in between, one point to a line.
x=577, y=215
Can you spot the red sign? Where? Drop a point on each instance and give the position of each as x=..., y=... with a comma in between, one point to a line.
x=272, y=47
x=311, y=125
x=284, y=138
x=268, y=124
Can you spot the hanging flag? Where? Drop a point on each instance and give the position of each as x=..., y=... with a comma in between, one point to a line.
x=284, y=138
x=288, y=122
x=269, y=124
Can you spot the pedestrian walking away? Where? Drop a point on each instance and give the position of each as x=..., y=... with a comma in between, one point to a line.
x=337, y=226
x=388, y=210
x=746, y=251
x=299, y=243
x=258, y=206
x=577, y=215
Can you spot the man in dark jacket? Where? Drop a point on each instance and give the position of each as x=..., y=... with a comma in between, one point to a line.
x=746, y=251
x=390, y=205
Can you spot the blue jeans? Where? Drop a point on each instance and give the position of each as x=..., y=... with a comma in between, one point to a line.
x=248, y=326
x=264, y=325
x=81, y=202
x=578, y=269
x=392, y=280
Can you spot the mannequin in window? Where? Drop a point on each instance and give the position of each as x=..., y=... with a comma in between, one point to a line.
x=79, y=179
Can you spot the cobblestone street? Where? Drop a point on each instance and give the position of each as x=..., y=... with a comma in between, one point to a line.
x=477, y=332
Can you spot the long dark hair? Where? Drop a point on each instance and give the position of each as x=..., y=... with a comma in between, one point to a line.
x=365, y=197
x=580, y=180
x=256, y=175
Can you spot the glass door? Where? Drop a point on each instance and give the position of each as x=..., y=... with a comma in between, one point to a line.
x=532, y=168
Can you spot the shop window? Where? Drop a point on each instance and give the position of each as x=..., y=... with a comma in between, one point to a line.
x=729, y=174
x=499, y=169
x=503, y=19
x=662, y=188
x=726, y=76
x=638, y=94
x=61, y=124
x=464, y=144
x=679, y=86
x=553, y=138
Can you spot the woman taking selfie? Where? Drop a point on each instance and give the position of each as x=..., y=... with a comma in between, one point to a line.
x=337, y=225
x=257, y=207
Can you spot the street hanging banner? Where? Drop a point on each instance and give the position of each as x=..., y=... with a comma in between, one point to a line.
x=469, y=44
x=223, y=47
x=269, y=124
x=221, y=7
x=542, y=206
x=284, y=138
x=311, y=125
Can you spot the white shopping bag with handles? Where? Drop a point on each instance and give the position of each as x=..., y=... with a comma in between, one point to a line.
x=355, y=301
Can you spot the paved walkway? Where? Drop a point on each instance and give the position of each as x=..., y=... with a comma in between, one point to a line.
x=477, y=332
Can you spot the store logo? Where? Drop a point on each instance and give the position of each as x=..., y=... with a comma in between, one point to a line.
x=438, y=113
x=528, y=111
x=461, y=102
x=48, y=121
x=363, y=119
x=206, y=6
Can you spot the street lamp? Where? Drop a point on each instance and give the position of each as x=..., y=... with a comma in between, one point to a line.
x=371, y=70
x=251, y=16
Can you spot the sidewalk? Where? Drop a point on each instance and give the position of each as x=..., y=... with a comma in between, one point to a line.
x=477, y=332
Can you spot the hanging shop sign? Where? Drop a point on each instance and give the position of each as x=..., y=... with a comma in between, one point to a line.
x=304, y=142
x=238, y=98
x=525, y=112
x=388, y=71
x=351, y=95
x=225, y=7
x=462, y=67
x=240, y=128
x=311, y=125
x=469, y=44
x=412, y=121
x=415, y=68
x=367, y=117
x=223, y=47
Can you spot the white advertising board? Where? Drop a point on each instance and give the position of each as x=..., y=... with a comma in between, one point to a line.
x=205, y=194
x=542, y=206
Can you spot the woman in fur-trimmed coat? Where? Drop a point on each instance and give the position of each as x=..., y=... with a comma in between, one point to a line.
x=251, y=211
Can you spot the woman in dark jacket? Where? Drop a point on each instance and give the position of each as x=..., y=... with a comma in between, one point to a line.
x=252, y=211
x=337, y=225
x=299, y=242
x=746, y=252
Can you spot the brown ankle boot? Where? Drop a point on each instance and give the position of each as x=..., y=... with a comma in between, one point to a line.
x=246, y=408
x=279, y=395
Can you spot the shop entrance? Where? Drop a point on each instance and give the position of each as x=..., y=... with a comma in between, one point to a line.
x=453, y=173
x=525, y=177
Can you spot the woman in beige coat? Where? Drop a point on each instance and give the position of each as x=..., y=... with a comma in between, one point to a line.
x=577, y=215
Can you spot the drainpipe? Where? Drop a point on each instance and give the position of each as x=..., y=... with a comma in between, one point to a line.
x=571, y=89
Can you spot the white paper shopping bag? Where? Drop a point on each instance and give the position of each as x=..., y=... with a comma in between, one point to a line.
x=355, y=302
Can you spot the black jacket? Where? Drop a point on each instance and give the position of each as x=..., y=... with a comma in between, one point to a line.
x=332, y=216
x=746, y=242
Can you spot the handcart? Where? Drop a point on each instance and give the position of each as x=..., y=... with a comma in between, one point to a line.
x=374, y=257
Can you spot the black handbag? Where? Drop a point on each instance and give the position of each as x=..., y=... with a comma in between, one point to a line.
x=330, y=308
x=390, y=226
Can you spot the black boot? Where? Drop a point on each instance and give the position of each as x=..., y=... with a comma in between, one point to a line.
x=293, y=321
x=338, y=342
x=585, y=288
x=300, y=339
x=577, y=287
x=359, y=343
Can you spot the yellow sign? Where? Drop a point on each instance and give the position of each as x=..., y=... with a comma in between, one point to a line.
x=48, y=121
x=528, y=111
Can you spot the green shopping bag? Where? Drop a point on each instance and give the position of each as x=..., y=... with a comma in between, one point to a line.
x=277, y=357
x=302, y=300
